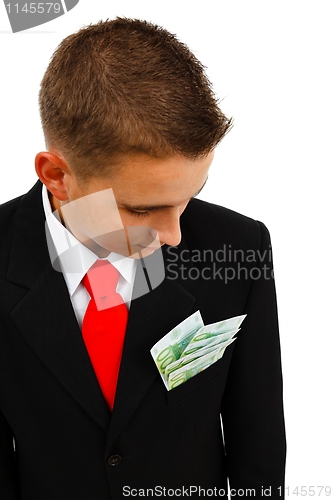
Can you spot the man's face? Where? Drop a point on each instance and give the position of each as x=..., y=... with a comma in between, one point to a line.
x=150, y=195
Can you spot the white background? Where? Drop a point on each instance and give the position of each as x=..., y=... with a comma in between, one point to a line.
x=271, y=65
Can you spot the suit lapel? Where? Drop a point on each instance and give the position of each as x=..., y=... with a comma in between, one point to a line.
x=46, y=319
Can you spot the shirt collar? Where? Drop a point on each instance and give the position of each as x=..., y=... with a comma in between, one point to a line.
x=71, y=257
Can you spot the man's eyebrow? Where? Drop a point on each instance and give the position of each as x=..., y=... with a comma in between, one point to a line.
x=147, y=208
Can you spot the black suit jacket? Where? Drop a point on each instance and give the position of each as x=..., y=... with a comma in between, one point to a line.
x=67, y=445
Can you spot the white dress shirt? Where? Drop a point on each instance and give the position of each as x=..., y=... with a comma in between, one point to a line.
x=75, y=259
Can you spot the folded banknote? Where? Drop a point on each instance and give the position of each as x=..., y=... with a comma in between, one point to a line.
x=191, y=347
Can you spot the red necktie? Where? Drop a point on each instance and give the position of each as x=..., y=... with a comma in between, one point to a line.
x=104, y=325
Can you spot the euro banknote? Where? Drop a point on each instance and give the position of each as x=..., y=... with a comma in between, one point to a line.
x=172, y=345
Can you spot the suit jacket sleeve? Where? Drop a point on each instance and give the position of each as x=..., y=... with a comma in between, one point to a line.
x=8, y=471
x=252, y=410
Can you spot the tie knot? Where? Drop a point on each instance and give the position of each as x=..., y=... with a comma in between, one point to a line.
x=101, y=280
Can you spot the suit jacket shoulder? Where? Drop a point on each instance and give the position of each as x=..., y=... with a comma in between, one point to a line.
x=212, y=225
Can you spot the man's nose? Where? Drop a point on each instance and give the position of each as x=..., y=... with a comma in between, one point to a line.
x=169, y=229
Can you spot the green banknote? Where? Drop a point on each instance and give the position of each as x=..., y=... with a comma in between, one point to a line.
x=172, y=345
x=218, y=328
x=208, y=342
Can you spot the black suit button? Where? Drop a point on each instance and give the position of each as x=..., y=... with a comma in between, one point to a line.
x=115, y=460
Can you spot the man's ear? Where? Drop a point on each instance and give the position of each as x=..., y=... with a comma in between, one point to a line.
x=51, y=168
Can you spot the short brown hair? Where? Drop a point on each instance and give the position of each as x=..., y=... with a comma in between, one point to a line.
x=125, y=86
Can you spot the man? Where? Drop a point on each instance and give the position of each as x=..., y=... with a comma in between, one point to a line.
x=131, y=124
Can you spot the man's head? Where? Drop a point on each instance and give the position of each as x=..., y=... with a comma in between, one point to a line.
x=126, y=86
x=118, y=95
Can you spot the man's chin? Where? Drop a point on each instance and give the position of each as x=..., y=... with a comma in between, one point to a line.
x=102, y=248
x=140, y=251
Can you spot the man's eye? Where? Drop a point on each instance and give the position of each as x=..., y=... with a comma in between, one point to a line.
x=139, y=214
